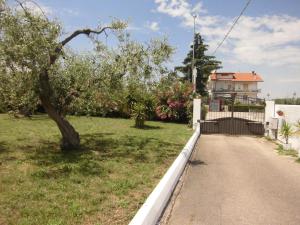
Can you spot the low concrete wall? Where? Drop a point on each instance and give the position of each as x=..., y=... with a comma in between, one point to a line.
x=291, y=115
x=291, y=112
x=153, y=207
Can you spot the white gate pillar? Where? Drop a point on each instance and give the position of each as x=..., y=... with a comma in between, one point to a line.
x=196, y=112
x=269, y=110
x=270, y=124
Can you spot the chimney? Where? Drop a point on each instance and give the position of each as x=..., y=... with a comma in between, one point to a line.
x=254, y=74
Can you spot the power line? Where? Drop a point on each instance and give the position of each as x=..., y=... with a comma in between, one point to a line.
x=232, y=26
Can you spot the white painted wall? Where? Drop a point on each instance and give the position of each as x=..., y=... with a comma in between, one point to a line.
x=238, y=86
x=219, y=85
x=223, y=84
x=291, y=115
x=196, y=112
x=252, y=86
x=291, y=112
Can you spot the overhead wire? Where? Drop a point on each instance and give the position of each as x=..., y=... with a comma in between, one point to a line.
x=232, y=26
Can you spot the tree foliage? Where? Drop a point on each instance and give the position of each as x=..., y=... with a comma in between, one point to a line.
x=131, y=79
x=175, y=99
x=113, y=82
x=204, y=64
x=288, y=101
x=144, y=65
x=30, y=48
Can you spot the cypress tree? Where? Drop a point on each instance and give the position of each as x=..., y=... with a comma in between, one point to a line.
x=204, y=64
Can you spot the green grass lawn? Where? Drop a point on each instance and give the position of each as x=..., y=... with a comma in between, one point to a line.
x=104, y=183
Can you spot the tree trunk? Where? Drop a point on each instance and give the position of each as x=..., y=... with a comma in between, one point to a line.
x=70, y=138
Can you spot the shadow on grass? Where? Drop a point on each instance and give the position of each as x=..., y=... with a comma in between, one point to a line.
x=147, y=127
x=127, y=146
x=3, y=147
x=95, y=149
x=38, y=117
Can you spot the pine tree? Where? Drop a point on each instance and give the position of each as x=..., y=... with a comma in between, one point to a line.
x=204, y=64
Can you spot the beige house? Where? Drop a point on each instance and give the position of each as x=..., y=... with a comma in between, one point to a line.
x=222, y=84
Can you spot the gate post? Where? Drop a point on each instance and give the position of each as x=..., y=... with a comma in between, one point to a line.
x=269, y=110
x=196, y=112
x=269, y=114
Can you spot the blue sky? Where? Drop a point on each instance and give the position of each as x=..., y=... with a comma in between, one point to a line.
x=266, y=39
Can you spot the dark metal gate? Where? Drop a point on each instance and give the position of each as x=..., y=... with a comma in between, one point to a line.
x=236, y=115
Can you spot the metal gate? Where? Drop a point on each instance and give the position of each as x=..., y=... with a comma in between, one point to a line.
x=236, y=115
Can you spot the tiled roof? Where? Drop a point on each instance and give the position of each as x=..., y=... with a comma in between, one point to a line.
x=237, y=76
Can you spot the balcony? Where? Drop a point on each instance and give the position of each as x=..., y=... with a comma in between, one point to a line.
x=232, y=90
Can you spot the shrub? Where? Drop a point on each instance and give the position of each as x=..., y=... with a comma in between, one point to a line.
x=175, y=102
x=141, y=106
x=286, y=131
x=298, y=127
x=139, y=114
x=204, y=111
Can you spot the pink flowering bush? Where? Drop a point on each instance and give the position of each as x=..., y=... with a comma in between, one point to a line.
x=174, y=101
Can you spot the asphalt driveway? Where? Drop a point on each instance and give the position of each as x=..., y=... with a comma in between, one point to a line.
x=238, y=181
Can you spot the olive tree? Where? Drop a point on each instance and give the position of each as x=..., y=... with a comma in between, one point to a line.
x=16, y=95
x=143, y=65
x=91, y=84
x=31, y=45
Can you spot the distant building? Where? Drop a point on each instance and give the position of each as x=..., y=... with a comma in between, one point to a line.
x=223, y=84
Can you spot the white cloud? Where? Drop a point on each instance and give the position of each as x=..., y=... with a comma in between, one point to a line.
x=266, y=39
x=70, y=12
x=289, y=80
x=37, y=8
x=181, y=9
x=274, y=40
x=154, y=26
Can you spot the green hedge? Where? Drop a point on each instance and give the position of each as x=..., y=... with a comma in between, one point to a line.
x=204, y=110
x=248, y=108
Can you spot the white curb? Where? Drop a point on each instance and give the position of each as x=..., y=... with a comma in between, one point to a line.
x=154, y=205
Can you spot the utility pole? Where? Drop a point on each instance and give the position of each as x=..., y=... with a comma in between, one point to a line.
x=194, y=70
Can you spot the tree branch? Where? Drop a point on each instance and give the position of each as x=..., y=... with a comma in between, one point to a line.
x=83, y=31
x=87, y=32
x=33, y=2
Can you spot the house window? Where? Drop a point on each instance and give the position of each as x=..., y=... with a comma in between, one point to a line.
x=245, y=86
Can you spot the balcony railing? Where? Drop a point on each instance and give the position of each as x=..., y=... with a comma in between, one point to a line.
x=222, y=90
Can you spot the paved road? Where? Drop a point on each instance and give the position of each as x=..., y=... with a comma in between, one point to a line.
x=238, y=181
